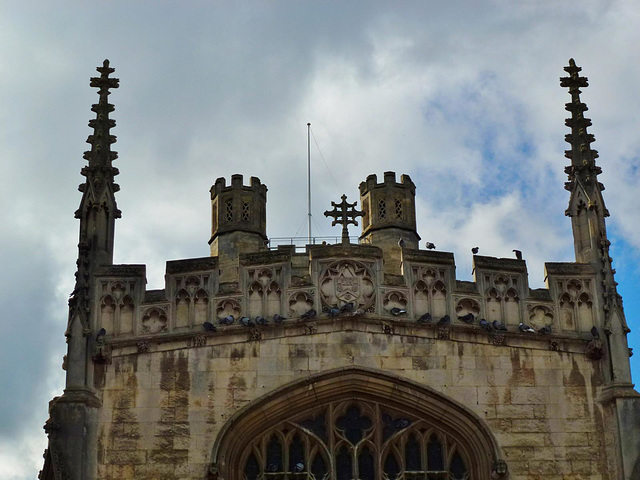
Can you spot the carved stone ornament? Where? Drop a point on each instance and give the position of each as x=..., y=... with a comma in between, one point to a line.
x=554, y=345
x=255, y=335
x=498, y=339
x=388, y=329
x=347, y=281
x=499, y=469
x=444, y=333
x=101, y=353
x=198, y=340
x=143, y=346
x=594, y=350
x=311, y=328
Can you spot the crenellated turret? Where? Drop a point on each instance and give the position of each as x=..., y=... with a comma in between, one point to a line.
x=389, y=216
x=587, y=211
x=238, y=220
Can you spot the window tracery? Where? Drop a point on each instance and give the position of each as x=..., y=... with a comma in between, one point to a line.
x=354, y=440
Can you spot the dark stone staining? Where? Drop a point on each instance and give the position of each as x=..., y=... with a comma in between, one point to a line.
x=237, y=353
x=175, y=381
x=124, y=434
x=575, y=379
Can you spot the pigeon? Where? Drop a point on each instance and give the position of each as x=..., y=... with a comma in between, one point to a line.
x=209, y=327
x=468, y=318
x=401, y=243
x=272, y=468
x=101, y=333
x=395, y=311
x=247, y=322
x=426, y=318
x=518, y=254
x=499, y=325
x=347, y=307
x=278, y=318
x=523, y=327
x=228, y=320
x=485, y=325
x=430, y=246
x=594, y=333
x=546, y=330
x=475, y=250
x=299, y=467
x=333, y=312
x=446, y=320
x=261, y=320
x=309, y=314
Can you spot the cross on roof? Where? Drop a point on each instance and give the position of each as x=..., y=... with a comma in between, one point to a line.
x=344, y=213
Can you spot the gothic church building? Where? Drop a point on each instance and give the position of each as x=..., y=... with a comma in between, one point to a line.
x=361, y=360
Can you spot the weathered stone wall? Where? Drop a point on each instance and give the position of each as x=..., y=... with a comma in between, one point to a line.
x=164, y=403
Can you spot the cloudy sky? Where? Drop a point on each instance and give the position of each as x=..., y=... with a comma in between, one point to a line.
x=462, y=96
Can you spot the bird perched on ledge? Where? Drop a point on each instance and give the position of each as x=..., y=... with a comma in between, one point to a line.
x=446, y=320
x=278, y=318
x=523, y=327
x=395, y=311
x=309, y=314
x=430, y=246
x=247, y=322
x=518, y=254
x=475, y=250
x=209, y=327
x=228, y=320
x=426, y=318
x=468, y=318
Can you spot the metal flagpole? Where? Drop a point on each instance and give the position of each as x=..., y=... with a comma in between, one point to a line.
x=309, y=176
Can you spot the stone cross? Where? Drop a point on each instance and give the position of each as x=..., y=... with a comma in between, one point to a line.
x=344, y=213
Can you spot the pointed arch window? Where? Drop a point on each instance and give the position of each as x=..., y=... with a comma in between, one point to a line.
x=355, y=440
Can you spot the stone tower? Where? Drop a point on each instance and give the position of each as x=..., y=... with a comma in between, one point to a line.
x=367, y=361
x=389, y=216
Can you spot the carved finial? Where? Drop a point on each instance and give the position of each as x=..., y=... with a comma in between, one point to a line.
x=344, y=213
x=100, y=154
x=583, y=166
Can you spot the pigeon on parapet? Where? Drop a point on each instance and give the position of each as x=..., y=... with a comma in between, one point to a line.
x=261, y=320
x=278, y=318
x=485, y=325
x=475, y=250
x=546, y=330
x=518, y=254
x=309, y=314
x=426, y=318
x=499, y=325
x=209, y=327
x=228, y=320
x=594, y=332
x=333, y=312
x=468, y=318
x=395, y=311
x=299, y=467
x=430, y=246
x=446, y=320
x=247, y=322
x=523, y=327
x=347, y=307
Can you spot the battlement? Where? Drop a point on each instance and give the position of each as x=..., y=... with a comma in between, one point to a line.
x=255, y=185
x=389, y=181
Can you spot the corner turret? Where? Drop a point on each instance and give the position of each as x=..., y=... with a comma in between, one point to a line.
x=389, y=216
x=587, y=212
x=238, y=219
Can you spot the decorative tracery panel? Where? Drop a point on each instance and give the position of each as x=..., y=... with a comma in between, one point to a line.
x=354, y=439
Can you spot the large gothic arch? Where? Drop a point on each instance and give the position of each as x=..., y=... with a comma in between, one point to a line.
x=352, y=389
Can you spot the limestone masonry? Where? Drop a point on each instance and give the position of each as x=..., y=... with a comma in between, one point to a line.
x=365, y=360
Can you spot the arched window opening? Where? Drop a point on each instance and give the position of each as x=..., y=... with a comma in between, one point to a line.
x=355, y=440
